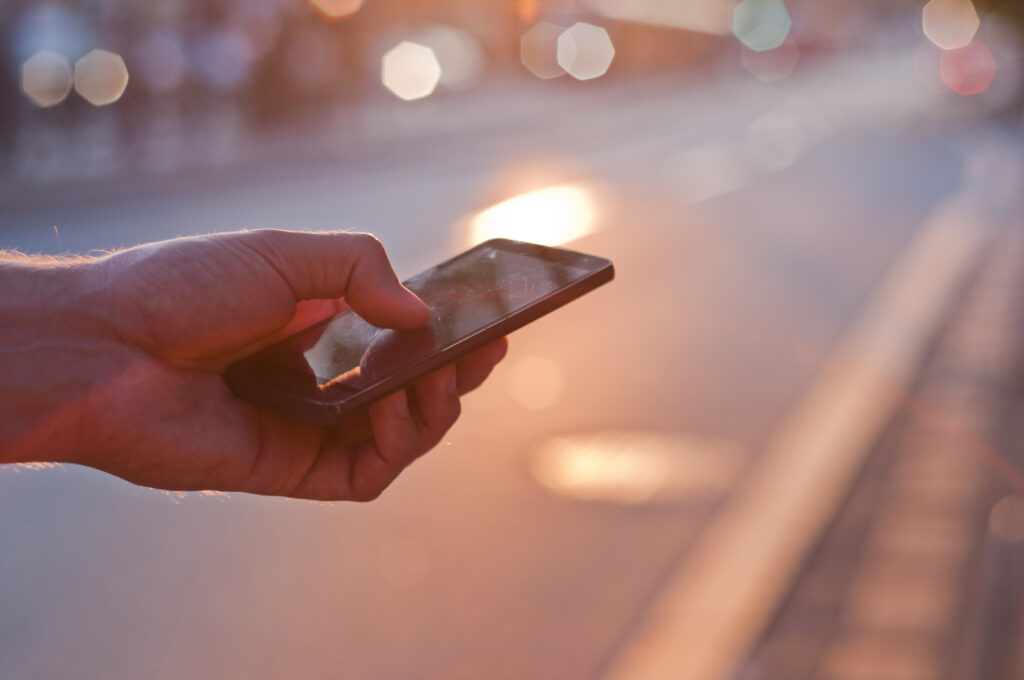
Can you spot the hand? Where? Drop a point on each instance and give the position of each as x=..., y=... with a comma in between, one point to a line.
x=117, y=363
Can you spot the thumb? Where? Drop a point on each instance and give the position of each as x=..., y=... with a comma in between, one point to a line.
x=341, y=264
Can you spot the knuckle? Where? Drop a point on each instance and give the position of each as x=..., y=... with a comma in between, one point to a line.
x=367, y=245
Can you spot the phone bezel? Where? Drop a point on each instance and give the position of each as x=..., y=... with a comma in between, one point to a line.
x=264, y=382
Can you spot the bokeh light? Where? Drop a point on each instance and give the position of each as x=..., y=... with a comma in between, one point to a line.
x=770, y=65
x=585, y=51
x=101, y=77
x=547, y=216
x=535, y=383
x=336, y=9
x=1006, y=520
x=761, y=24
x=458, y=53
x=46, y=78
x=968, y=70
x=538, y=50
x=950, y=24
x=411, y=71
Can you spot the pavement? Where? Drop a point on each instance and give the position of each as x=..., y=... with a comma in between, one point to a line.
x=918, y=576
x=754, y=230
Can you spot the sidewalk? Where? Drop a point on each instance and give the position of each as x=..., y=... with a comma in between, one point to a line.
x=919, y=575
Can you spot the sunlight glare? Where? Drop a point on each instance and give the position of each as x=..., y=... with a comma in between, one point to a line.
x=631, y=467
x=547, y=216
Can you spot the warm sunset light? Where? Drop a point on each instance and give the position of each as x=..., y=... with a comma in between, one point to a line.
x=536, y=383
x=630, y=467
x=46, y=78
x=101, y=77
x=547, y=216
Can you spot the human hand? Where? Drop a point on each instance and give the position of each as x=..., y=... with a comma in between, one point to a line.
x=132, y=382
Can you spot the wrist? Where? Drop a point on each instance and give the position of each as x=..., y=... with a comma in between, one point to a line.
x=45, y=338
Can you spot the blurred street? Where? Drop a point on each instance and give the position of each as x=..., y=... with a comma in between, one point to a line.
x=753, y=226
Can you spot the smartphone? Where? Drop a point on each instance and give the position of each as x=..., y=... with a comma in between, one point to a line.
x=342, y=364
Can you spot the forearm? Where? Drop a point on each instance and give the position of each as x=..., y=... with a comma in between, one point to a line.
x=45, y=379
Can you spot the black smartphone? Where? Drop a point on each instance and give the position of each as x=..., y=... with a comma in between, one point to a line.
x=344, y=363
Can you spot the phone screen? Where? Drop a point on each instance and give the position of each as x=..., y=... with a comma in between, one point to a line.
x=466, y=295
x=475, y=297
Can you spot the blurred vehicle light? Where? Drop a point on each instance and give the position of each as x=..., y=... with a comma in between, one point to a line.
x=761, y=24
x=585, y=51
x=46, y=78
x=547, y=216
x=411, y=71
x=101, y=77
x=950, y=24
x=538, y=50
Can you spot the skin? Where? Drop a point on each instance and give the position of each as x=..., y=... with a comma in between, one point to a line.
x=116, y=363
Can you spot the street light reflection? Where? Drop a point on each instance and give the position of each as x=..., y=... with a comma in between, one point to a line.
x=547, y=216
x=630, y=467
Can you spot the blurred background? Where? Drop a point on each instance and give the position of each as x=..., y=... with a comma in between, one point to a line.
x=785, y=443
